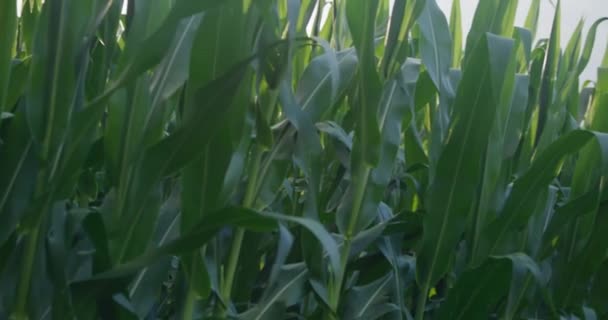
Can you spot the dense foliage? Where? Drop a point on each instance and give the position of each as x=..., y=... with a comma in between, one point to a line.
x=254, y=159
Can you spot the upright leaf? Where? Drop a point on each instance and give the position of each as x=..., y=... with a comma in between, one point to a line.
x=453, y=191
x=8, y=23
x=361, y=16
x=456, y=33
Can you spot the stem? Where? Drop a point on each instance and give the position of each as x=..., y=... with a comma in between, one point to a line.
x=189, y=304
x=235, y=251
x=30, y=251
x=232, y=263
x=26, y=274
x=336, y=287
x=422, y=302
x=363, y=171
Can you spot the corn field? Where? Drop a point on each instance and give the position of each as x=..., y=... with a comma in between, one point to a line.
x=267, y=159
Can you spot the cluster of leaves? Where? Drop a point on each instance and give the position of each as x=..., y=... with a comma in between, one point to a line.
x=298, y=159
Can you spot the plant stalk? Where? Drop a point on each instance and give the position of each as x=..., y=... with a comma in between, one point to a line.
x=188, y=313
x=334, y=295
x=235, y=251
x=31, y=239
x=420, y=306
x=26, y=274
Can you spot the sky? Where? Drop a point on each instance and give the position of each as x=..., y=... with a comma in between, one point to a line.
x=572, y=12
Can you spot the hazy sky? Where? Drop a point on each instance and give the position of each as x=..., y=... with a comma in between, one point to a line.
x=572, y=12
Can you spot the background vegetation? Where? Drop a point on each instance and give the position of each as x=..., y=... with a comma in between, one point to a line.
x=213, y=159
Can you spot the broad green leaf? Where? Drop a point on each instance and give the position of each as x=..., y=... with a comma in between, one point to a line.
x=361, y=15
x=532, y=17
x=216, y=46
x=495, y=166
x=483, y=21
x=369, y=301
x=453, y=190
x=456, y=33
x=574, y=282
x=506, y=17
x=315, y=228
x=18, y=170
x=143, y=291
x=599, y=290
x=556, y=113
x=571, y=53
x=515, y=124
x=392, y=40
x=194, y=239
x=403, y=268
x=286, y=292
x=315, y=90
x=8, y=25
x=477, y=291
x=53, y=78
x=564, y=216
x=172, y=153
x=547, y=107
x=404, y=14
x=523, y=38
x=395, y=108
x=589, y=43
x=148, y=52
x=521, y=201
x=436, y=44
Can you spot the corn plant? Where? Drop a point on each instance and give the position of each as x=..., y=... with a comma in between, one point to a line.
x=299, y=159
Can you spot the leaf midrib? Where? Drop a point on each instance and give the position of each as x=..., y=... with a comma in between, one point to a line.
x=453, y=186
x=279, y=293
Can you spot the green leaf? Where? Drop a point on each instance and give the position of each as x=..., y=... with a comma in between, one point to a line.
x=369, y=301
x=494, y=171
x=315, y=90
x=148, y=52
x=174, y=152
x=192, y=240
x=454, y=187
x=574, y=282
x=599, y=290
x=548, y=81
x=523, y=38
x=589, y=43
x=8, y=25
x=532, y=17
x=477, y=291
x=483, y=21
x=395, y=108
x=326, y=240
x=436, y=44
x=514, y=129
x=522, y=198
x=18, y=170
x=286, y=292
x=361, y=15
x=53, y=79
x=456, y=33
x=564, y=216
x=392, y=40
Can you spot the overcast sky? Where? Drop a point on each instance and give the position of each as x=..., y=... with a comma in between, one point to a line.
x=572, y=12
